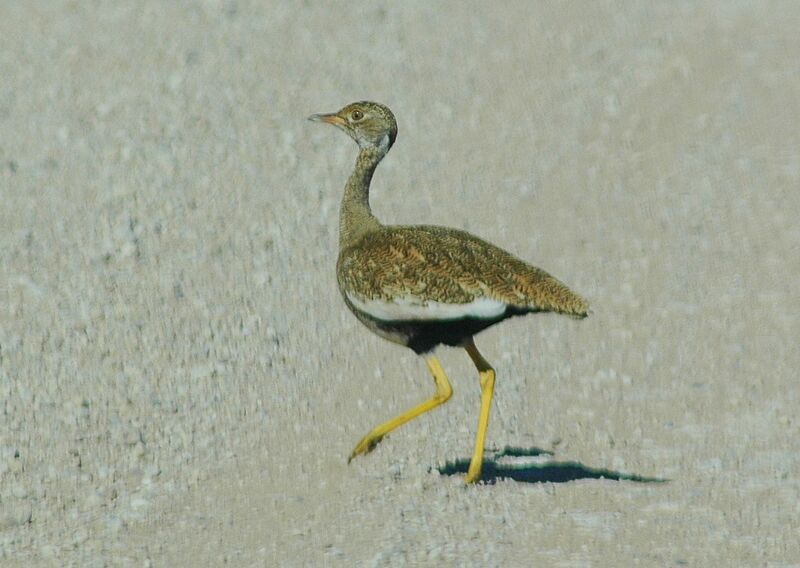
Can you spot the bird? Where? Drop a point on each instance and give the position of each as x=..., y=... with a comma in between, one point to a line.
x=422, y=286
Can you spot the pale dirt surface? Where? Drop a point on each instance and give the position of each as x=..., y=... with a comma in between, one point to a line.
x=180, y=382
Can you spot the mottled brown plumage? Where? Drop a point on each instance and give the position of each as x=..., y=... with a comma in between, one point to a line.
x=421, y=285
x=448, y=265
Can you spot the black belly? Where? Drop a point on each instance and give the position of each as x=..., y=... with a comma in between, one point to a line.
x=423, y=336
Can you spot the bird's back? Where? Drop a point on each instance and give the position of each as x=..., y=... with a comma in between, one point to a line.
x=402, y=271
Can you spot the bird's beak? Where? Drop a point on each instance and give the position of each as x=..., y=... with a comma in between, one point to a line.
x=331, y=118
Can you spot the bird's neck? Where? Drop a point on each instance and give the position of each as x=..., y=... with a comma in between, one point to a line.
x=356, y=218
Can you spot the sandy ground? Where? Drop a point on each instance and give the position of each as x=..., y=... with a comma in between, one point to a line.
x=180, y=382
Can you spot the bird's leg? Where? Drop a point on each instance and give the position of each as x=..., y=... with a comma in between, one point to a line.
x=487, y=390
x=443, y=393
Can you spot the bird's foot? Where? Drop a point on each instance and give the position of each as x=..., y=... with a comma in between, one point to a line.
x=474, y=472
x=365, y=446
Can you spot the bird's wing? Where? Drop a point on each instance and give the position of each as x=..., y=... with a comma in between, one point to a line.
x=420, y=273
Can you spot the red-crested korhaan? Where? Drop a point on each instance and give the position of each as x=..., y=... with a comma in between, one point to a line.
x=422, y=286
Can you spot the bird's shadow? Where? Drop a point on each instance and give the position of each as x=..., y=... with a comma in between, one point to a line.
x=498, y=468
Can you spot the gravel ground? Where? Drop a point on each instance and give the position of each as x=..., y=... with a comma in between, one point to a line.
x=180, y=382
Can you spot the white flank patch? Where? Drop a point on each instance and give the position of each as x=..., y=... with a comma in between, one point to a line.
x=416, y=309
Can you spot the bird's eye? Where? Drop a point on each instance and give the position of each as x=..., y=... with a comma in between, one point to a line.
x=356, y=115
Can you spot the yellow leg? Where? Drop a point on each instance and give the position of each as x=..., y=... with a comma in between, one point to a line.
x=443, y=392
x=487, y=390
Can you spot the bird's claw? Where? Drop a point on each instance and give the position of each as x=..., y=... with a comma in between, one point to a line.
x=365, y=446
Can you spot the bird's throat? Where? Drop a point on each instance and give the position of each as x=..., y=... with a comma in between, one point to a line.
x=356, y=218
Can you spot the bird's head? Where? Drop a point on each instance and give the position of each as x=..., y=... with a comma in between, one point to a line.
x=371, y=125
